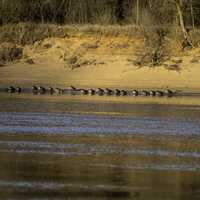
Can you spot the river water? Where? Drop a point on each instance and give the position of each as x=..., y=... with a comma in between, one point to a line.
x=62, y=147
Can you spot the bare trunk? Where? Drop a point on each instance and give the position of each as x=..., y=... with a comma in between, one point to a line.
x=137, y=13
x=192, y=14
x=41, y=13
x=119, y=12
x=181, y=21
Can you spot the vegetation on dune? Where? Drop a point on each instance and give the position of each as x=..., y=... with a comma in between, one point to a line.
x=10, y=52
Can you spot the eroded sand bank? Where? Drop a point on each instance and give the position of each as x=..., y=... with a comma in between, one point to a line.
x=88, y=61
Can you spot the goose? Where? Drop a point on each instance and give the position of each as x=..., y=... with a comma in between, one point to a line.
x=11, y=89
x=169, y=92
x=152, y=93
x=59, y=91
x=108, y=91
x=123, y=92
x=83, y=91
x=91, y=92
x=34, y=89
x=73, y=88
x=51, y=90
x=159, y=93
x=135, y=93
x=100, y=91
x=145, y=93
x=117, y=92
x=18, y=89
x=41, y=90
x=70, y=90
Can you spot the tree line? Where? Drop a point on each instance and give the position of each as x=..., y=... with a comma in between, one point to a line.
x=140, y=12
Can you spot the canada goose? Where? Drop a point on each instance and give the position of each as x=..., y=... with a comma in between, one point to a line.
x=51, y=90
x=117, y=92
x=18, y=89
x=135, y=93
x=100, y=91
x=91, y=92
x=41, y=90
x=83, y=91
x=11, y=89
x=73, y=88
x=108, y=91
x=152, y=93
x=145, y=93
x=70, y=90
x=34, y=89
x=169, y=93
x=59, y=91
x=159, y=93
x=123, y=92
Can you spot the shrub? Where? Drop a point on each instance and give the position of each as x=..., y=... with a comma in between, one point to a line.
x=10, y=52
x=28, y=33
x=195, y=37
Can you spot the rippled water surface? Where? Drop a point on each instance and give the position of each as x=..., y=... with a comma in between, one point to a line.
x=99, y=148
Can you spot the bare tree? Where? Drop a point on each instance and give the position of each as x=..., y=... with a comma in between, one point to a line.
x=192, y=14
x=137, y=12
x=179, y=4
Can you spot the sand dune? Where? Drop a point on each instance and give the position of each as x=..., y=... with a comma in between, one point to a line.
x=89, y=61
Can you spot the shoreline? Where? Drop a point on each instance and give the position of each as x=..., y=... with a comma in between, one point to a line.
x=188, y=101
x=108, y=92
x=21, y=75
x=105, y=62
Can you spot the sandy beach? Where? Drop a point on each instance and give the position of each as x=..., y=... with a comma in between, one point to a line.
x=90, y=61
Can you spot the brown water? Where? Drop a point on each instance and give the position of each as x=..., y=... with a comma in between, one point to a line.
x=99, y=148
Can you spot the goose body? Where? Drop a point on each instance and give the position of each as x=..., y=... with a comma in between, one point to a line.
x=123, y=92
x=83, y=91
x=18, y=89
x=11, y=89
x=117, y=92
x=145, y=93
x=152, y=93
x=159, y=93
x=100, y=91
x=91, y=92
x=41, y=90
x=134, y=93
x=169, y=93
x=59, y=91
x=108, y=91
x=35, y=89
x=51, y=90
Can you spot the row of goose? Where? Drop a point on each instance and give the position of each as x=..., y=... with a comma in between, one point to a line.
x=98, y=91
x=118, y=92
x=12, y=89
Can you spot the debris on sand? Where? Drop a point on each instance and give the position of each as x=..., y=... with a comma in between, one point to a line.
x=195, y=60
x=29, y=61
x=173, y=67
x=75, y=62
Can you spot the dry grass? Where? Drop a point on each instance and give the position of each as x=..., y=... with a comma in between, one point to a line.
x=111, y=30
x=195, y=37
x=28, y=33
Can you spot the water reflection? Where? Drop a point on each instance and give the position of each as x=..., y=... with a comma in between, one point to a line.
x=62, y=148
